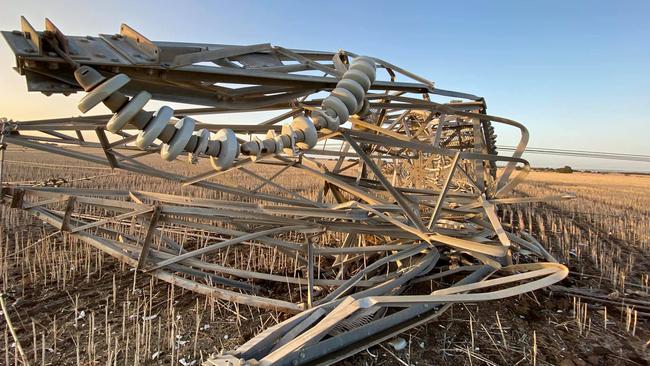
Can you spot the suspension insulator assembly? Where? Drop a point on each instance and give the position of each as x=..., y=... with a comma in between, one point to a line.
x=347, y=98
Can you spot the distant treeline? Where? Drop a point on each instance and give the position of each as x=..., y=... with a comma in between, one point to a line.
x=568, y=170
x=565, y=169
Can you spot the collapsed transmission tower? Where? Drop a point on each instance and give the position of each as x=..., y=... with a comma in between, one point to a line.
x=410, y=186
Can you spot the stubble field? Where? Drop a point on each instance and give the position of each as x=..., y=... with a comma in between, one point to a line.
x=73, y=305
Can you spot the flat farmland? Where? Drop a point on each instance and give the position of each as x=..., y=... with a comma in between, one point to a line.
x=73, y=305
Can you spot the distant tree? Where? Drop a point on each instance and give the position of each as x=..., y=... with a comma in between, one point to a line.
x=566, y=169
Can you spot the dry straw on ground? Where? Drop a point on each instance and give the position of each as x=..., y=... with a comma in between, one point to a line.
x=71, y=304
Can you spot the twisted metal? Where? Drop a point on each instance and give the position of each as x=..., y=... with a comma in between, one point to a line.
x=402, y=162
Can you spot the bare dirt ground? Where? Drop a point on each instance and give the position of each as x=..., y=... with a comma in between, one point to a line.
x=71, y=305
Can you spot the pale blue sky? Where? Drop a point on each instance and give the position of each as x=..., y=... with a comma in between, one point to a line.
x=575, y=72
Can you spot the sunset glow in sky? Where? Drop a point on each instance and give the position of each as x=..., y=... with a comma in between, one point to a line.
x=574, y=72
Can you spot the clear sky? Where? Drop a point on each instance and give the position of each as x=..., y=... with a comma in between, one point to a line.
x=575, y=72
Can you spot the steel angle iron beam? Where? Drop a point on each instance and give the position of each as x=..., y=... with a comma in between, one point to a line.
x=407, y=159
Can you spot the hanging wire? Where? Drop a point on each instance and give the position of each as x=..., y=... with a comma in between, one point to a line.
x=583, y=154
